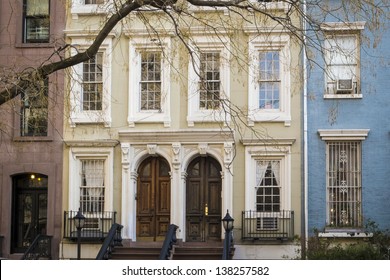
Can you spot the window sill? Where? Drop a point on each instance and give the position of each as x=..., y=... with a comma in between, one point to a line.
x=33, y=139
x=33, y=45
x=269, y=117
x=344, y=233
x=343, y=96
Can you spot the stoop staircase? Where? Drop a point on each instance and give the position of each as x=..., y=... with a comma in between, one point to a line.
x=185, y=251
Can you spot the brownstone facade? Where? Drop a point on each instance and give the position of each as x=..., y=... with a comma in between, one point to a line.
x=31, y=142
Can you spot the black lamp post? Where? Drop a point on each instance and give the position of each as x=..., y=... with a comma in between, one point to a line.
x=79, y=220
x=228, y=225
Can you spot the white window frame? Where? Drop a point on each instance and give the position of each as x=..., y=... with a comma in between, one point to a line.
x=281, y=153
x=76, y=154
x=334, y=31
x=137, y=45
x=200, y=44
x=78, y=8
x=77, y=115
x=339, y=135
x=264, y=43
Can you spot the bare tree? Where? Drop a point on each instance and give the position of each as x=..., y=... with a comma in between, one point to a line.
x=374, y=12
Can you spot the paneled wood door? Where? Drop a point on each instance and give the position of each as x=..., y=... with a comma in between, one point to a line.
x=203, y=200
x=153, y=199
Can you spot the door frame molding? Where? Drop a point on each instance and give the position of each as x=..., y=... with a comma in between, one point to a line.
x=178, y=148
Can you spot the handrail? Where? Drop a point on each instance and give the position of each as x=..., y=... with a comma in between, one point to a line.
x=170, y=239
x=114, y=238
x=40, y=247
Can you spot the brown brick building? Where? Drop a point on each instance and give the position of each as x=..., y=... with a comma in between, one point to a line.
x=31, y=125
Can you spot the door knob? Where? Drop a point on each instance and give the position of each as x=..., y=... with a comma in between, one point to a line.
x=206, y=210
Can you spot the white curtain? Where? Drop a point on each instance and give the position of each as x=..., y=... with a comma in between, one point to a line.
x=261, y=168
x=94, y=176
x=275, y=165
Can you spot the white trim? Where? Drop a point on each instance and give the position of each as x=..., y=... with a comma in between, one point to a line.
x=219, y=44
x=340, y=31
x=266, y=152
x=343, y=26
x=78, y=153
x=136, y=46
x=343, y=134
x=79, y=8
x=77, y=115
x=273, y=42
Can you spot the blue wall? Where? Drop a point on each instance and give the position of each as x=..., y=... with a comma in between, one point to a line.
x=371, y=112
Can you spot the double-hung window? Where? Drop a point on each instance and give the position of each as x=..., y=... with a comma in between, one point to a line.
x=34, y=110
x=90, y=89
x=92, y=185
x=210, y=82
x=149, y=80
x=342, y=59
x=150, y=84
x=269, y=80
x=92, y=95
x=269, y=95
x=208, y=79
x=36, y=21
x=268, y=185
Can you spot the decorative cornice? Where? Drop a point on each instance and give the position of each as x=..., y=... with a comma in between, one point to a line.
x=343, y=134
x=91, y=143
x=339, y=26
x=268, y=141
x=186, y=136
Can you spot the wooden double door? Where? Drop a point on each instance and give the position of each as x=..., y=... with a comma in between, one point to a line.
x=203, y=200
x=153, y=199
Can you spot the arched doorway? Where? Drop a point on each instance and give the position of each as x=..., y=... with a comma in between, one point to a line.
x=153, y=199
x=203, y=200
x=29, y=210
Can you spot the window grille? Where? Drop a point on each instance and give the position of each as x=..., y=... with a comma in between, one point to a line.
x=92, y=186
x=266, y=223
x=268, y=186
x=150, y=81
x=269, y=80
x=210, y=82
x=93, y=83
x=344, y=190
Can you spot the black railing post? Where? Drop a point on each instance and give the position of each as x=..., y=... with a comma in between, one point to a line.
x=170, y=239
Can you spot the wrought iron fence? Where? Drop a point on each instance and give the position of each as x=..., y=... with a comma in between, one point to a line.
x=268, y=226
x=40, y=248
x=96, y=225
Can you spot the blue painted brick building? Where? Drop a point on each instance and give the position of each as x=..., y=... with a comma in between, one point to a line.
x=348, y=133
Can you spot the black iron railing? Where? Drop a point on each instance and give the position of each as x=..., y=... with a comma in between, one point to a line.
x=113, y=239
x=96, y=226
x=268, y=226
x=170, y=240
x=40, y=248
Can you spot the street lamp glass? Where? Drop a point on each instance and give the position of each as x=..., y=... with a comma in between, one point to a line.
x=79, y=220
x=228, y=222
